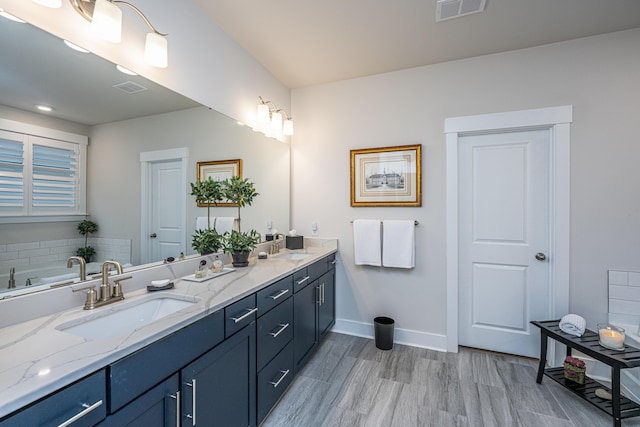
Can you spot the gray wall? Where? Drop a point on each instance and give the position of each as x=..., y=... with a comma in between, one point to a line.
x=597, y=75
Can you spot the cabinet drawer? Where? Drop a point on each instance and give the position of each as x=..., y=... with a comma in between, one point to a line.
x=317, y=269
x=273, y=380
x=131, y=376
x=275, y=330
x=239, y=314
x=300, y=279
x=87, y=396
x=274, y=294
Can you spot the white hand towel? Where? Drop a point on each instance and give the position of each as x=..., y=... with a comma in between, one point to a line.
x=573, y=324
x=202, y=224
x=366, y=242
x=398, y=244
x=224, y=224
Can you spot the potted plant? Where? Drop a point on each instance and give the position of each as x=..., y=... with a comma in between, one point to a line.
x=207, y=192
x=240, y=192
x=86, y=227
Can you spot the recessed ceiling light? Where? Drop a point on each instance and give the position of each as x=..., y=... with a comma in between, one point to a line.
x=125, y=70
x=75, y=47
x=45, y=108
x=9, y=16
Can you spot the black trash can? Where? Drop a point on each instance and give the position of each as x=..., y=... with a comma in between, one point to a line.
x=384, y=332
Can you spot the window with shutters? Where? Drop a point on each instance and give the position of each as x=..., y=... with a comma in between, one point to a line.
x=41, y=176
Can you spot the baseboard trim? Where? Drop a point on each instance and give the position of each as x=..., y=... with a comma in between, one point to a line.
x=408, y=337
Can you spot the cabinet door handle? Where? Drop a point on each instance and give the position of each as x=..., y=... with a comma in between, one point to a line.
x=249, y=312
x=334, y=262
x=319, y=289
x=322, y=293
x=192, y=384
x=177, y=398
x=283, y=326
x=279, y=294
x=301, y=281
x=277, y=383
x=87, y=408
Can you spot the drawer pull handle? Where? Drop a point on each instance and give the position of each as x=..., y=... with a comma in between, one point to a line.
x=277, y=383
x=301, y=281
x=279, y=294
x=334, y=262
x=192, y=384
x=249, y=312
x=177, y=398
x=283, y=326
x=87, y=408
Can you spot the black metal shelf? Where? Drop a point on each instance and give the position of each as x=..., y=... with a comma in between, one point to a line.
x=587, y=391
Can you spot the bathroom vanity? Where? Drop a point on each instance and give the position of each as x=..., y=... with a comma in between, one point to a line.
x=225, y=359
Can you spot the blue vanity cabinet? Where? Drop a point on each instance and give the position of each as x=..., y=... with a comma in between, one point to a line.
x=274, y=348
x=327, y=300
x=307, y=304
x=219, y=388
x=157, y=407
x=82, y=403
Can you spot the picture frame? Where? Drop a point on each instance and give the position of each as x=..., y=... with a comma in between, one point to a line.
x=219, y=170
x=387, y=176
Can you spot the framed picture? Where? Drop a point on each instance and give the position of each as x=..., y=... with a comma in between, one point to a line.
x=219, y=170
x=388, y=176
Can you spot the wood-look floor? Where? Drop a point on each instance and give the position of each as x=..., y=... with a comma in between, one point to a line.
x=349, y=382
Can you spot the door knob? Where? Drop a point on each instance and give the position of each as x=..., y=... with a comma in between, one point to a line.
x=154, y=235
x=540, y=256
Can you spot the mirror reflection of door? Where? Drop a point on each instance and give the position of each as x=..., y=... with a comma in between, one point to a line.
x=165, y=216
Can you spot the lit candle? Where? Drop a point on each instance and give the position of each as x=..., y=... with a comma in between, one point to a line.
x=611, y=338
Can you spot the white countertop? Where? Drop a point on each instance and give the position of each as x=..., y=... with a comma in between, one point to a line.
x=36, y=359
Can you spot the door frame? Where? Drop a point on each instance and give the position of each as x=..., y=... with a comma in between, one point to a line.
x=558, y=121
x=146, y=160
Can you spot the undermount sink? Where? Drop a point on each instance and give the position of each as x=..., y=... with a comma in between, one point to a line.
x=293, y=255
x=123, y=318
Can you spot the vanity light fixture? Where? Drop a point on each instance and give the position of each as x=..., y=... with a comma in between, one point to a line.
x=269, y=115
x=106, y=21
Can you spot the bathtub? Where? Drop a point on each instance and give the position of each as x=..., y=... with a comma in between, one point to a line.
x=42, y=277
x=630, y=378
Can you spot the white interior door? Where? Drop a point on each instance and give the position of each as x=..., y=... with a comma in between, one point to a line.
x=504, y=279
x=166, y=221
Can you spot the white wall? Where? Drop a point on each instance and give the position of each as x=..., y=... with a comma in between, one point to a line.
x=598, y=76
x=204, y=63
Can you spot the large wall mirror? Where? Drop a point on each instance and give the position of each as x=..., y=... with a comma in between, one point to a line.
x=40, y=68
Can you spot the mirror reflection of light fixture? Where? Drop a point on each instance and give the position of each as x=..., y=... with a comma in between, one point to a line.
x=106, y=20
x=269, y=115
x=10, y=17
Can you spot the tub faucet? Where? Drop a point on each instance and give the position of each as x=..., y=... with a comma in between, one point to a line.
x=12, y=278
x=83, y=266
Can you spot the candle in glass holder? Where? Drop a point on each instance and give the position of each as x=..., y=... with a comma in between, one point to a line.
x=611, y=336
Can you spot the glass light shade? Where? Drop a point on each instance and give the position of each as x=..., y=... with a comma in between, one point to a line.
x=288, y=127
x=54, y=4
x=263, y=113
x=276, y=120
x=107, y=21
x=155, y=50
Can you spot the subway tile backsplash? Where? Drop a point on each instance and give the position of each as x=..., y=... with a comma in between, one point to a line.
x=51, y=252
x=624, y=292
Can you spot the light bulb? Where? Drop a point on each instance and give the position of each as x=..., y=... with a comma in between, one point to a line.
x=155, y=50
x=107, y=21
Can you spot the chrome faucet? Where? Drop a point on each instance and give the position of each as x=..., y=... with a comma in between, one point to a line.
x=107, y=295
x=12, y=278
x=82, y=263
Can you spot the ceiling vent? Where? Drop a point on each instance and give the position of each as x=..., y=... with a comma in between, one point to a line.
x=130, y=87
x=449, y=9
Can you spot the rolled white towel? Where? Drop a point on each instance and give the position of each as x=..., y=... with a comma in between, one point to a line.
x=573, y=324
